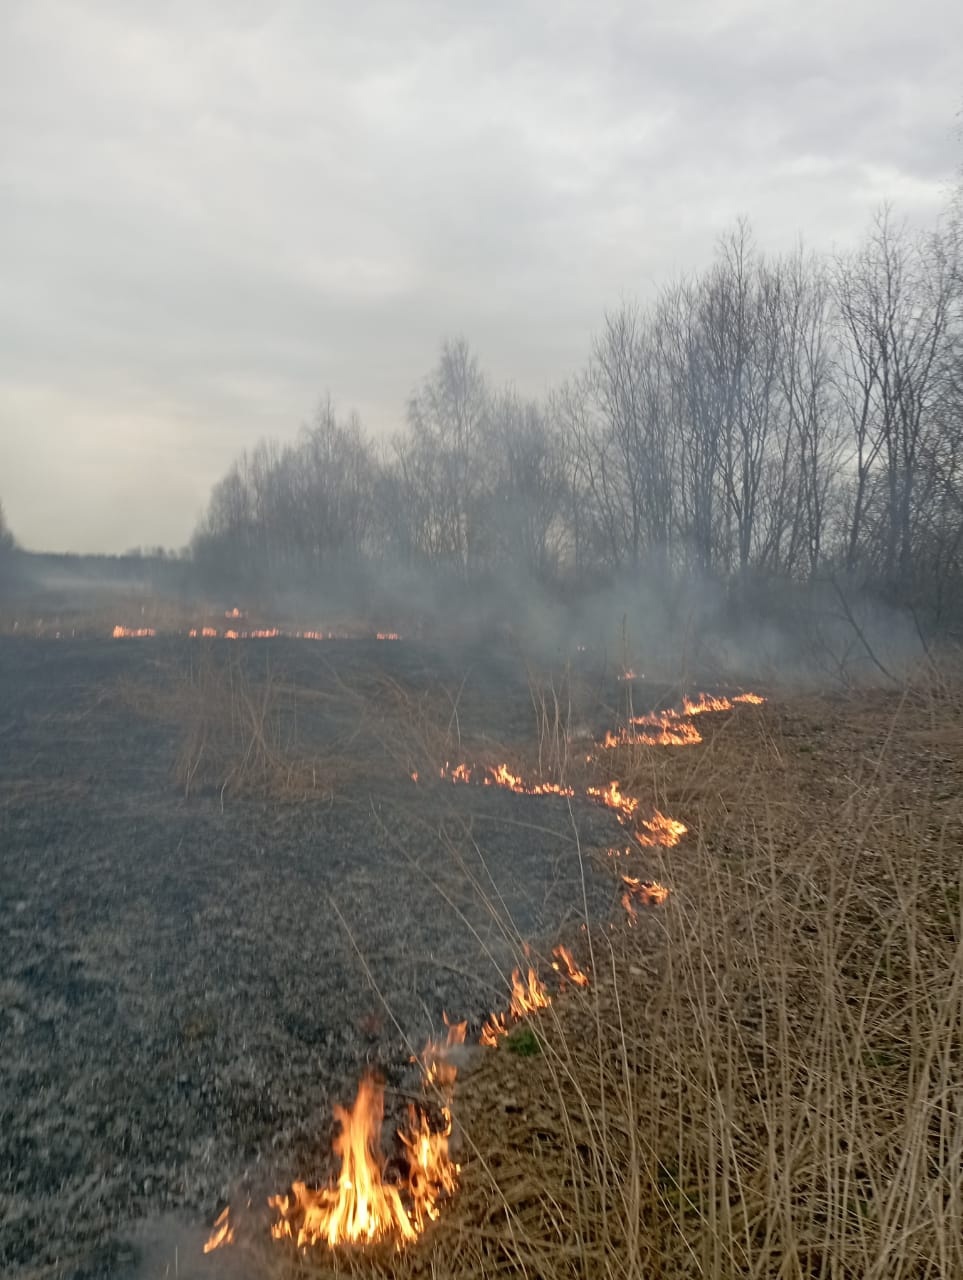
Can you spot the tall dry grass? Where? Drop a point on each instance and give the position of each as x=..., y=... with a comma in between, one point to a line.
x=766, y=1076
x=768, y=1080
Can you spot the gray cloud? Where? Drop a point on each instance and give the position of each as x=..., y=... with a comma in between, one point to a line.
x=209, y=214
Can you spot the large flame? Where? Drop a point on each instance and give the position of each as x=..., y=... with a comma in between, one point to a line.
x=363, y=1208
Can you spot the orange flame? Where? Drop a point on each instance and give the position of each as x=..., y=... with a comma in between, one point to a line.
x=564, y=961
x=363, y=1208
x=133, y=633
x=501, y=776
x=660, y=830
x=222, y=1233
x=528, y=994
x=435, y=1061
x=646, y=892
x=612, y=797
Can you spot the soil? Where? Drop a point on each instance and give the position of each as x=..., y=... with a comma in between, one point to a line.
x=187, y=983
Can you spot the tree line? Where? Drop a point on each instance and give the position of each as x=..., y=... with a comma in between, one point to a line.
x=787, y=417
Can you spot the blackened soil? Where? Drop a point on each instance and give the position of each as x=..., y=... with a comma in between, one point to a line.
x=186, y=986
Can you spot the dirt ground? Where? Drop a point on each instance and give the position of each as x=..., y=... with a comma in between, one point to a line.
x=188, y=982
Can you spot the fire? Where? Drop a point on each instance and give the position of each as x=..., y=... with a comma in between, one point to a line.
x=387, y=635
x=435, y=1059
x=222, y=1233
x=363, y=1208
x=670, y=733
x=660, y=830
x=501, y=776
x=528, y=994
x=612, y=797
x=646, y=892
x=564, y=962
x=432, y=1175
x=133, y=633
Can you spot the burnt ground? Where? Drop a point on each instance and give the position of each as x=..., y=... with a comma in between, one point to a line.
x=187, y=984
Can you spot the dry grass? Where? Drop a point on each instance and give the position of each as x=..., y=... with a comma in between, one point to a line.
x=766, y=1079
x=242, y=728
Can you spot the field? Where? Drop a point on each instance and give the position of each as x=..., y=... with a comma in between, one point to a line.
x=225, y=896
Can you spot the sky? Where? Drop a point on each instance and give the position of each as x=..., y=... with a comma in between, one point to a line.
x=212, y=215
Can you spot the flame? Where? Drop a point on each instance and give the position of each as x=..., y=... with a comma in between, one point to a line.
x=234, y=613
x=671, y=733
x=436, y=1064
x=612, y=797
x=387, y=635
x=571, y=970
x=660, y=830
x=501, y=776
x=672, y=728
x=647, y=892
x=221, y=1234
x=133, y=633
x=363, y=1208
x=432, y=1174
x=528, y=994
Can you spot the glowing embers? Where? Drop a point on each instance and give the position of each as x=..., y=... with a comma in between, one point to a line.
x=363, y=1207
x=133, y=633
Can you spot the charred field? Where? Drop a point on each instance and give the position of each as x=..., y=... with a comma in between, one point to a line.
x=225, y=896
x=193, y=972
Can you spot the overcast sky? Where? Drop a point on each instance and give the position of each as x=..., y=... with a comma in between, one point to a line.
x=212, y=212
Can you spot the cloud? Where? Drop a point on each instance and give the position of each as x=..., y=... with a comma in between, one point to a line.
x=211, y=214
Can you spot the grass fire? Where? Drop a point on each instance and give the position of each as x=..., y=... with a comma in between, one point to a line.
x=481, y=802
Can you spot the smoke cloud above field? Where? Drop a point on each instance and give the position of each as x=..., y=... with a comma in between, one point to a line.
x=213, y=213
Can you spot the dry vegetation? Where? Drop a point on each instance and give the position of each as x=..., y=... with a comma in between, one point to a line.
x=768, y=1083
x=766, y=1079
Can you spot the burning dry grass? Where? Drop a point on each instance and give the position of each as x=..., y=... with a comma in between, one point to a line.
x=766, y=1079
